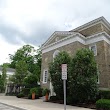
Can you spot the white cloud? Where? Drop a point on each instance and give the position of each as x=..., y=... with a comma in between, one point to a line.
x=32, y=21
x=6, y=49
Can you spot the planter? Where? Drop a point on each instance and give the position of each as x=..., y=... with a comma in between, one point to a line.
x=33, y=96
x=46, y=97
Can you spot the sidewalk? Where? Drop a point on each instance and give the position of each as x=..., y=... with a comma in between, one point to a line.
x=37, y=104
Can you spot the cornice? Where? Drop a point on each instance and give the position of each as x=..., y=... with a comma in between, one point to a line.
x=77, y=37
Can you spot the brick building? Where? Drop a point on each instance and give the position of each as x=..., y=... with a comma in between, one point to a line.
x=94, y=35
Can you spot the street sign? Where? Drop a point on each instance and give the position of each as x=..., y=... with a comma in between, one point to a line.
x=64, y=78
x=64, y=71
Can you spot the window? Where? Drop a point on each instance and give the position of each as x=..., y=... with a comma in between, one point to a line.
x=55, y=54
x=98, y=75
x=93, y=48
x=45, y=76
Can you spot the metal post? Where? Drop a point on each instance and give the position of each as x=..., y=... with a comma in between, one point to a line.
x=64, y=82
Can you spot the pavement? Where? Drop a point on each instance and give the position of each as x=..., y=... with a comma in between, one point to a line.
x=28, y=104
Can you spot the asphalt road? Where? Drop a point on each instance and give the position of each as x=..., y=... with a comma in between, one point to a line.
x=7, y=107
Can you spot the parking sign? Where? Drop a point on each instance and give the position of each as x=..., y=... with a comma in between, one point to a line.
x=64, y=71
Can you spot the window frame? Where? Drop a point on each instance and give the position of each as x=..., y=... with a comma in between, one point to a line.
x=56, y=52
x=90, y=47
x=44, y=76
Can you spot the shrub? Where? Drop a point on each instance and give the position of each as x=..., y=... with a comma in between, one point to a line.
x=29, y=96
x=103, y=104
x=69, y=100
x=33, y=90
x=53, y=98
x=26, y=91
x=83, y=76
x=39, y=91
x=20, y=95
x=45, y=91
x=55, y=72
x=105, y=94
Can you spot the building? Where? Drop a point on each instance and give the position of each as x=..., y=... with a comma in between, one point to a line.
x=9, y=73
x=94, y=35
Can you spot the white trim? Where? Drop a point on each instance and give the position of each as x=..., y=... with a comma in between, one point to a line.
x=92, y=23
x=44, y=82
x=77, y=37
x=57, y=33
x=55, y=53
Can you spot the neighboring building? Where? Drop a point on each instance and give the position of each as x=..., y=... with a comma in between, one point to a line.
x=94, y=35
x=9, y=73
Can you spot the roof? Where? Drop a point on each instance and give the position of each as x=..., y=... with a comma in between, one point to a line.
x=100, y=19
x=8, y=69
x=78, y=29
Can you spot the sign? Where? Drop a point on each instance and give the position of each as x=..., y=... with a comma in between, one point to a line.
x=64, y=71
x=64, y=78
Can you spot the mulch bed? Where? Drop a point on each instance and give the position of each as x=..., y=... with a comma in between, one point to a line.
x=85, y=105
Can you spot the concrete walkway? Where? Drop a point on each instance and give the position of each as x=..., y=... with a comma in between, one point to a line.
x=37, y=104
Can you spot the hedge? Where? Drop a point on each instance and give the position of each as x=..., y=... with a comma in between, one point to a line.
x=103, y=104
x=104, y=94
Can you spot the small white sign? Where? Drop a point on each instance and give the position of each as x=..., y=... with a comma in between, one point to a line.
x=64, y=71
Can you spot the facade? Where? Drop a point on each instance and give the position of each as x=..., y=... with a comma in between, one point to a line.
x=9, y=73
x=94, y=35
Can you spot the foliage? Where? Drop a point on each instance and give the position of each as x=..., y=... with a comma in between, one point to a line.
x=30, y=81
x=3, y=79
x=83, y=76
x=27, y=59
x=20, y=95
x=26, y=91
x=45, y=91
x=53, y=98
x=33, y=90
x=55, y=72
x=105, y=94
x=21, y=72
x=1, y=84
x=103, y=104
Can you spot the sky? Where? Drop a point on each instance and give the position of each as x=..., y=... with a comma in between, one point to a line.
x=33, y=21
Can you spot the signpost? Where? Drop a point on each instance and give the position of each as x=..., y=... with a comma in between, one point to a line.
x=64, y=78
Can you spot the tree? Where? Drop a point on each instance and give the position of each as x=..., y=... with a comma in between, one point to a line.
x=30, y=81
x=1, y=84
x=55, y=73
x=30, y=56
x=21, y=72
x=4, y=75
x=83, y=76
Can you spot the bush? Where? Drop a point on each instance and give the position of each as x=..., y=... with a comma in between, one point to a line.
x=20, y=95
x=33, y=90
x=83, y=76
x=26, y=91
x=55, y=73
x=69, y=100
x=45, y=91
x=53, y=98
x=29, y=96
x=39, y=91
x=103, y=104
x=105, y=94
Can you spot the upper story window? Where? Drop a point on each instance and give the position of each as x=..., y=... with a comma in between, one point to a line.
x=45, y=76
x=98, y=75
x=93, y=48
x=55, y=53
